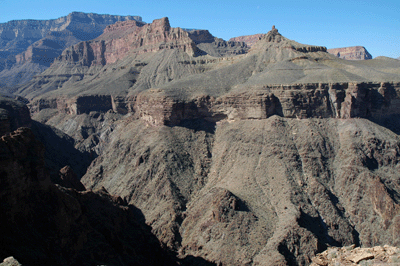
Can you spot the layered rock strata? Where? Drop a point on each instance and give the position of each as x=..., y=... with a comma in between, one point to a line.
x=250, y=40
x=351, y=53
x=217, y=46
x=28, y=47
x=341, y=100
x=139, y=39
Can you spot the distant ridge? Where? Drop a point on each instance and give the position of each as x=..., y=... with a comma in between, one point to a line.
x=351, y=53
x=250, y=40
x=28, y=47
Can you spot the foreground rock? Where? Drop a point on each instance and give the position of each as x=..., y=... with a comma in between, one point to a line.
x=13, y=114
x=47, y=224
x=10, y=261
x=346, y=256
x=351, y=53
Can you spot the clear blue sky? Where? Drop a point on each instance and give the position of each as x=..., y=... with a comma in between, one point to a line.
x=334, y=24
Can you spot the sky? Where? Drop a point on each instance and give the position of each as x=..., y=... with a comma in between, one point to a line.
x=334, y=24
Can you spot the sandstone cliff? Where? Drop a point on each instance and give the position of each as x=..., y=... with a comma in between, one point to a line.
x=351, y=53
x=139, y=39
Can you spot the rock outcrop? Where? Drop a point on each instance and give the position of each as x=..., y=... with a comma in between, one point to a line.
x=13, y=114
x=132, y=37
x=351, y=53
x=213, y=46
x=80, y=228
x=10, y=261
x=140, y=39
x=375, y=101
x=69, y=179
x=350, y=255
x=250, y=40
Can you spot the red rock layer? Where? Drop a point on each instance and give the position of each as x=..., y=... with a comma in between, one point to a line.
x=351, y=53
x=133, y=37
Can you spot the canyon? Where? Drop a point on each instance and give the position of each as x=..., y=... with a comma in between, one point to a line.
x=218, y=152
x=28, y=47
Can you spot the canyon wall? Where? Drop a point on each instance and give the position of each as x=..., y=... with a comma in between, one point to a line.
x=30, y=46
x=336, y=100
x=138, y=39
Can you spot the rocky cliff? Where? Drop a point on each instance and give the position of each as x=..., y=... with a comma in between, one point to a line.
x=270, y=191
x=376, y=101
x=139, y=39
x=13, y=114
x=53, y=225
x=213, y=46
x=27, y=47
x=351, y=53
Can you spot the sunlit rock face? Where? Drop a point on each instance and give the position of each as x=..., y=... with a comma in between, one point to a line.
x=351, y=53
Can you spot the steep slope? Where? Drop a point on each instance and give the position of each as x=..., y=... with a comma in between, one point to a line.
x=51, y=225
x=61, y=149
x=28, y=47
x=267, y=191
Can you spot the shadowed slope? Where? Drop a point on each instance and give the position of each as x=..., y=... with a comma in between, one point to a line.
x=271, y=191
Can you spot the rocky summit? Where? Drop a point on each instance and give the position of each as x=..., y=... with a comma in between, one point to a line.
x=210, y=151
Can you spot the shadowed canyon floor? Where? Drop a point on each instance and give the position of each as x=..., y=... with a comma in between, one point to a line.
x=230, y=155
